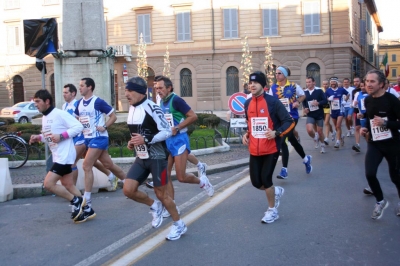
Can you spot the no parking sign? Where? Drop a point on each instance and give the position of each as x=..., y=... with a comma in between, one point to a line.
x=236, y=103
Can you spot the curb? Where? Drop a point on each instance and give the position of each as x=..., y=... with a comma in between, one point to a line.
x=37, y=190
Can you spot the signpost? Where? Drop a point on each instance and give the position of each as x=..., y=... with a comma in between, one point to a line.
x=236, y=103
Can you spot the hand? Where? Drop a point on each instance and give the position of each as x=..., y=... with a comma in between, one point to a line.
x=306, y=110
x=363, y=131
x=355, y=103
x=56, y=138
x=295, y=105
x=130, y=145
x=137, y=139
x=270, y=134
x=100, y=128
x=377, y=121
x=360, y=116
x=314, y=103
x=174, y=131
x=34, y=138
x=245, y=139
x=330, y=98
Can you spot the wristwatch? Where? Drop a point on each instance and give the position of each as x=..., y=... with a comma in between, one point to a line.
x=145, y=140
x=105, y=127
x=277, y=133
x=177, y=129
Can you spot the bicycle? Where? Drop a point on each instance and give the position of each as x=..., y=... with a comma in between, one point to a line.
x=14, y=148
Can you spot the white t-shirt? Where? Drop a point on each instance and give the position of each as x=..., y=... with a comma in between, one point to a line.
x=394, y=92
x=349, y=101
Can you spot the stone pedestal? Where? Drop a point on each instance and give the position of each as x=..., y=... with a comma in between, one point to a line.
x=73, y=69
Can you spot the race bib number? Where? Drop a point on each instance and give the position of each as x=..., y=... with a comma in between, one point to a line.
x=380, y=132
x=285, y=102
x=170, y=119
x=335, y=104
x=312, y=107
x=362, y=104
x=47, y=136
x=259, y=126
x=141, y=151
x=87, y=130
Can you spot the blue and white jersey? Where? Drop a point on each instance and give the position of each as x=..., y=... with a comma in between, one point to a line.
x=360, y=97
x=70, y=107
x=336, y=102
x=90, y=113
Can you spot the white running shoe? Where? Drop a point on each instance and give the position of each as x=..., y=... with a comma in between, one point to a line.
x=333, y=135
x=207, y=185
x=322, y=149
x=201, y=170
x=176, y=231
x=278, y=194
x=114, y=182
x=157, y=215
x=326, y=141
x=271, y=215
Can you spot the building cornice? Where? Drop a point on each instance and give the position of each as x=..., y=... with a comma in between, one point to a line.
x=374, y=13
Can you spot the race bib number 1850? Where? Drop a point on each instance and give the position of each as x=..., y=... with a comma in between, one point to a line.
x=259, y=126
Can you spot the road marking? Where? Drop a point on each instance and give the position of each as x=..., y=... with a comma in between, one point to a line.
x=159, y=239
x=125, y=240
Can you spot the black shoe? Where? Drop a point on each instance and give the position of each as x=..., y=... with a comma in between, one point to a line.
x=78, y=208
x=356, y=148
x=368, y=191
x=87, y=214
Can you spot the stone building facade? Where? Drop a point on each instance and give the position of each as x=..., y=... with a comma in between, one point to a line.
x=322, y=38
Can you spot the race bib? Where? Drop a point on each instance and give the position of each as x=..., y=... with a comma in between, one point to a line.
x=312, y=107
x=87, y=130
x=380, y=133
x=285, y=102
x=47, y=136
x=170, y=119
x=259, y=126
x=141, y=151
x=335, y=104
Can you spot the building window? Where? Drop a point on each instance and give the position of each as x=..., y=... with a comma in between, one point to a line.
x=183, y=26
x=186, y=82
x=394, y=58
x=394, y=72
x=143, y=25
x=18, y=89
x=313, y=70
x=232, y=80
x=270, y=20
x=231, y=23
x=311, y=11
x=14, y=39
x=11, y=4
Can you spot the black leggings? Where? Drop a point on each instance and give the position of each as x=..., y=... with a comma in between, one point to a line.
x=296, y=145
x=376, y=151
x=261, y=170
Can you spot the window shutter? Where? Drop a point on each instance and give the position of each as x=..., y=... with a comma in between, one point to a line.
x=186, y=24
x=140, y=27
x=227, y=26
x=370, y=53
x=311, y=17
x=274, y=20
x=362, y=32
x=315, y=17
x=234, y=23
x=147, y=28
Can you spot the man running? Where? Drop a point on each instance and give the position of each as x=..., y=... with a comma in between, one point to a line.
x=355, y=93
x=313, y=104
x=286, y=92
x=268, y=121
x=58, y=129
x=149, y=130
x=381, y=131
x=90, y=112
x=327, y=117
x=348, y=109
x=337, y=97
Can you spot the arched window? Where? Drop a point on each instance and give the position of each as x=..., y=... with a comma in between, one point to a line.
x=18, y=89
x=313, y=70
x=232, y=80
x=186, y=82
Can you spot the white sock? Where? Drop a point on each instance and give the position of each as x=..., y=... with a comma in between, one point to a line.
x=111, y=176
x=87, y=195
x=179, y=222
x=199, y=164
x=273, y=209
x=380, y=202
x=154, y=206
x=305, y=159
x=322, y=144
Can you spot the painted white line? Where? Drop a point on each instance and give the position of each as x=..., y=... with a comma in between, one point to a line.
x=125, y=240
x=159, y=239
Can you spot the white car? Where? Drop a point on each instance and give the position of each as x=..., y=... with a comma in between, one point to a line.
x=21, y=112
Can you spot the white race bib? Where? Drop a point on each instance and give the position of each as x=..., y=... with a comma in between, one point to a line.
x=285, y=102
x=312, y=107
x=259, y=126
x=170, y=119
x=87, y=129
x=141, y=151
x=335, y=104
x=380, y=133
x=47, y=135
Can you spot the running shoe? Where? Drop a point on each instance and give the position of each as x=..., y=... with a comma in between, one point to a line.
x=157, y=215
x=207, y=185
x=326, y=141
x=316, y=142
x=77, y=208
x=150, y=184
x=356, y=148
x=87, y=214
x=368, y=191
x=166, y=214
x=333, y=135
x=176, y=231
x=348, y=134
x=336, y=145
x=342, y=141
x=379, y=208
x=308, y=164
x=270, y=216
x=352, y=130
x=278, y=194
x=322, y=149
x=398, y=209
x=283, y=174
x=114, y=182
x=201, y=170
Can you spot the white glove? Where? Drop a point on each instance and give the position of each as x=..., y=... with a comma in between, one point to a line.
x=330, y=98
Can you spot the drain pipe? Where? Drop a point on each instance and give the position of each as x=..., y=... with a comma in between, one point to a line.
x=330, y=20
x=213, y=51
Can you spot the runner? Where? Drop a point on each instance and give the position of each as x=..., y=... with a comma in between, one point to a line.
x=179, y=115
x=313, y=104
x=58, y=129
x=286, y=92
x=149, y=130
x=348, y=109
x=381, y=132
x=355, y=92
x=327, y=117
x=359, y=109
x=90, y=112
x=335, y=97
x=268, y=121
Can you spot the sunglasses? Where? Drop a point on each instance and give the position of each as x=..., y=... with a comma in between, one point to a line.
x=278, y=73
